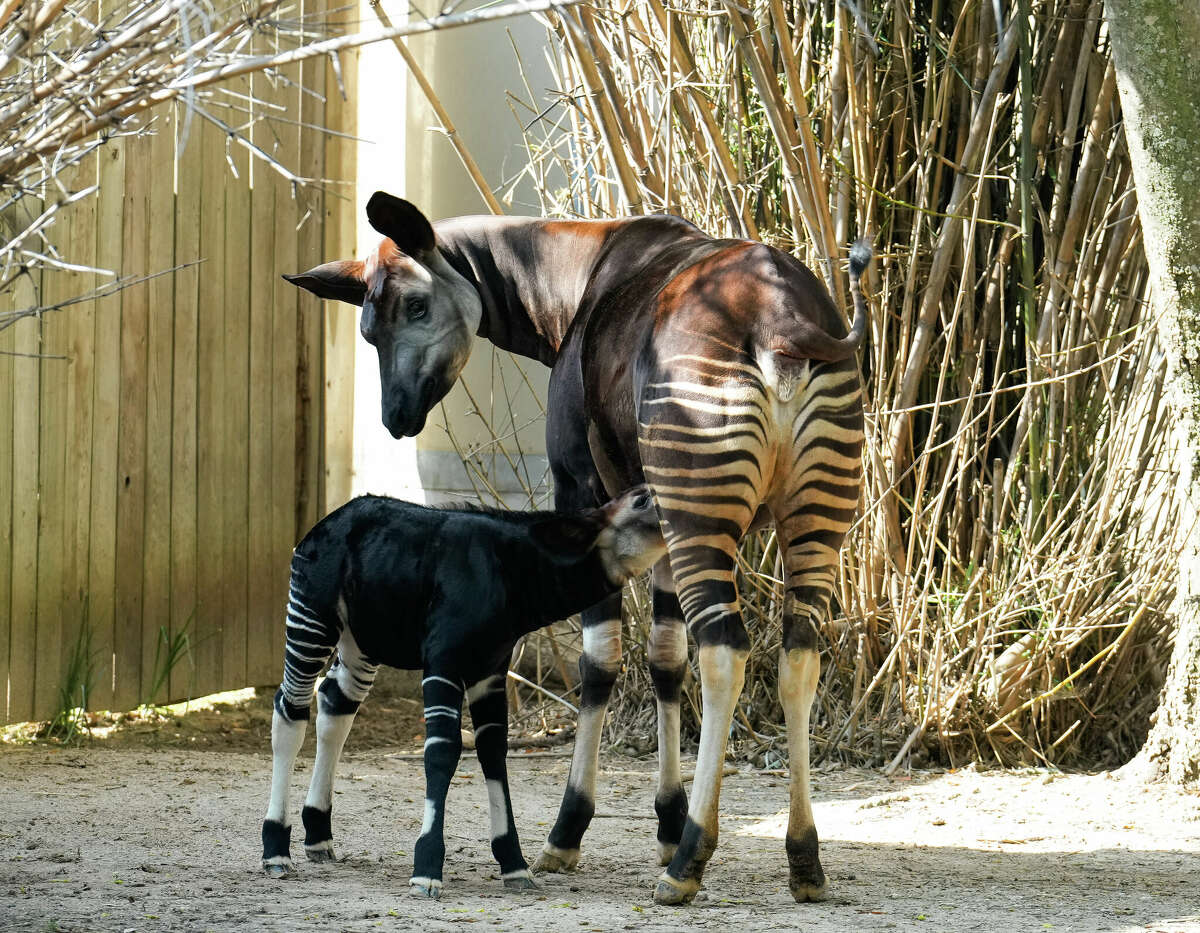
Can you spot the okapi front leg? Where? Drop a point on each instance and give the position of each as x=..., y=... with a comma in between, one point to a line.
x=598, y=667
x=443, y=745
x=489, y=716
x=668, y=664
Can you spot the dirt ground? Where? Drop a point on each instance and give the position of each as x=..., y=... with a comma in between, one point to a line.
x=156, y=827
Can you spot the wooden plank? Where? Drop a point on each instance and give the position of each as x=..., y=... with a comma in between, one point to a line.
x=284, y=308
x=131, y=432
x=235, y=268
x=341, y=324
x=156, y=582
x=81, y=249
x=184, y=405
x=105, y=429
x=7, y=345
x=265, y=612
x=310, y=375
x=53, y=502
x=210, y=412
x=26, y=404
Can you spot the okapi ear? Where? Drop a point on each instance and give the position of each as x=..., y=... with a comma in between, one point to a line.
x=402, y=223
x=567, y=537
x=341, y=280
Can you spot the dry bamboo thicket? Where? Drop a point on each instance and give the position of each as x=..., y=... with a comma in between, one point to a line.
x=1004, y=593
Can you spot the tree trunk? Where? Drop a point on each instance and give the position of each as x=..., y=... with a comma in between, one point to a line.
x=1156, y=49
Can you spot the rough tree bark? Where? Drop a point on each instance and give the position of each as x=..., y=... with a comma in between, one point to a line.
x=1156, y=49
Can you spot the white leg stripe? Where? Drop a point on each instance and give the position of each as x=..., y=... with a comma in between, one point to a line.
x=479, y=730
x=434, y=739
x=430, y=815
x=496, y=809
x=449, y=683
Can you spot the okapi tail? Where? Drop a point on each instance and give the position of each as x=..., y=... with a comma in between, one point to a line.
x=860, y=258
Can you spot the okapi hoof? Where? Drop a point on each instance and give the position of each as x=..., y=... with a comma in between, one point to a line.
x=805, y=891
x=806, y=878
x=425, y=887
x=280, y=870
x=519, y=880
x=666, y=852
x=671, y=891
x=554, y=859
x=321, y=852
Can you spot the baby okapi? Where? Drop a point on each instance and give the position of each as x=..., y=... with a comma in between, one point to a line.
x=447, y=592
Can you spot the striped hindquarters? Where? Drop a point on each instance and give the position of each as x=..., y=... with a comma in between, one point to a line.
x=718, y=438
x=311, y=635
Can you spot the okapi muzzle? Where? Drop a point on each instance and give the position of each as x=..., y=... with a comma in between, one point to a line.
x=418, y=312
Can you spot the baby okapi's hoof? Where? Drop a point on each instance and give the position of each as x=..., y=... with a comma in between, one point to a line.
x=321, y=852
x=671, y=891
x=553, y=859
x=279, y=870
x=519, y=880
x=425, y=887
x=276, y=859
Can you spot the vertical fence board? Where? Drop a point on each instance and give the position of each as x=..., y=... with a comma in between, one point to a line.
x=210, y=410
x=236, y=272
x=310, y=377
x=265, y=607
x=160, y=255
x=131, y=432
x=184, y=411
x=105, y=428
x=341, y=323
x=81, y=246
x=52, y=501
x=26, y=402
x=8, y=624
x=283, y=363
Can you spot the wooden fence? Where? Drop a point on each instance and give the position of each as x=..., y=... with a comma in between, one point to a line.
x=162, y=449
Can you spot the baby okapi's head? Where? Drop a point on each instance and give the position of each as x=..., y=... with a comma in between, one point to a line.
x=624, y=534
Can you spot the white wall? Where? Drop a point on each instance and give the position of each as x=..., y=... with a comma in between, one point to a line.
x=403, y=153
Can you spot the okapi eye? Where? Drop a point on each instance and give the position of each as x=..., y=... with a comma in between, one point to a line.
x=416, y=308
x=642, y=502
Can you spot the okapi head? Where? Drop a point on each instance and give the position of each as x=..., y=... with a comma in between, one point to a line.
x=417, y=311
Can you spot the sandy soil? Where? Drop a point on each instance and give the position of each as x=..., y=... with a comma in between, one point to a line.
x=161, y=832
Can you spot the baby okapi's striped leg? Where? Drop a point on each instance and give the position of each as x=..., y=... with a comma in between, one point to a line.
x=668, y=664
x=309, y=643
x=598, y=668
x=489, y=716
x=341, y=693
x=443, y=745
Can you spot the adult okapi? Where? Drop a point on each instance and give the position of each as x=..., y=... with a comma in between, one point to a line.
x=708, y=369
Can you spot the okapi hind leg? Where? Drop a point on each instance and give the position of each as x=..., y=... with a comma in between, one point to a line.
x=342, y=692
x=310, y=640
x=288, y=725
x=668, y=664
x=598, y=667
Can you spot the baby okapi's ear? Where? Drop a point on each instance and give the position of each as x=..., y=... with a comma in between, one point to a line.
x=338, y=281
x=402, y=223
x=567, y=537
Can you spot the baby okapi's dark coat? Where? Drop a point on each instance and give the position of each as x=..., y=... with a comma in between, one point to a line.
x=447, y=592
